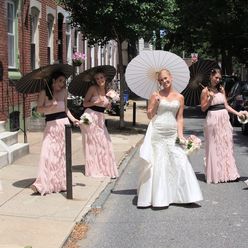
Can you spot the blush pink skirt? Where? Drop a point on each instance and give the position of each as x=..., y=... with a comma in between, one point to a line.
x=52, y=169
x=99, y=155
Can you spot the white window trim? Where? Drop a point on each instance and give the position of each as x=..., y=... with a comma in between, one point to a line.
x=14, y=31
x=36, y=37
x=36, y=4
x=69, y=50
x=65, y=13
x=50, y=42
x=52, y=12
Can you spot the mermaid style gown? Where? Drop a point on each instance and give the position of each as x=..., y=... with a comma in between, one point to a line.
x=167, y=176
x=220, y=162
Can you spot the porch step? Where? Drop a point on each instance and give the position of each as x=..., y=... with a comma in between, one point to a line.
x=3, y=159
x=18, y=150
x=9, y=138
x=10, y=148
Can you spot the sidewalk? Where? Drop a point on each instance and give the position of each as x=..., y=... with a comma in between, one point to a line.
x=46, y=221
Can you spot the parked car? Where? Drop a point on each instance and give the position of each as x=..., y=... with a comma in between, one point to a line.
x=228, y=82
x=238, y=100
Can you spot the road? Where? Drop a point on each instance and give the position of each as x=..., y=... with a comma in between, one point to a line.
x=220, y=220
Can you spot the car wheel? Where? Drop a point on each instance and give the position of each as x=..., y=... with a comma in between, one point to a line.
x=244, y=128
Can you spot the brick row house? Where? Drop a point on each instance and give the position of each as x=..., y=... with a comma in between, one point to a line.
x=36, y=33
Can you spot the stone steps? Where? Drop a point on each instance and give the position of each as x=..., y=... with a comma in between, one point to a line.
x=3, y=159
x=10, y=148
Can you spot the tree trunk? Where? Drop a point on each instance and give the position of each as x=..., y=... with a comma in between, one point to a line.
x=122, y=84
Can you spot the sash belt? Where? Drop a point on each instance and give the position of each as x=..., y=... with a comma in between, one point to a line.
x=55, y=116
x=98, y=109
x=216, y=107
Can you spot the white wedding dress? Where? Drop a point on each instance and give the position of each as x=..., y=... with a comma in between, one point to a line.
x=167, y=176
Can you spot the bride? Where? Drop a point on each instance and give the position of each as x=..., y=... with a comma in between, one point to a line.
x=167, y=175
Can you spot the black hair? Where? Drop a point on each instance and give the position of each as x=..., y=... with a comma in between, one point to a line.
x=49, y=88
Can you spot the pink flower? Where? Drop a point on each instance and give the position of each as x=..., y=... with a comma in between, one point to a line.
x=191, y=144
x=113, y=95
x=78, y=57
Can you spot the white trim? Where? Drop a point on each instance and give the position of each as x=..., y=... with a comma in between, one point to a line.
x=69, y=48
x=13, y=34
x=52, y=12
x=65, y=13
x=36, y=4
x=50, y=41
x=35, y=12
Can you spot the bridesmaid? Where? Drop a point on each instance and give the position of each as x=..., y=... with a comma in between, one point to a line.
x=220, y=162
x=53, y=103
x=99, y=155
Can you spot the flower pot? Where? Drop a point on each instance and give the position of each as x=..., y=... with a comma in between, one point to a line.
x=77, y=63
x=36, y=124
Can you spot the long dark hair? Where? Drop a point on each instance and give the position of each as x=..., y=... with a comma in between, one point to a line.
x=49, y=88
x=213, y=73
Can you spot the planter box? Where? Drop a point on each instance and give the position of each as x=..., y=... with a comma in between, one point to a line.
x=36, y=124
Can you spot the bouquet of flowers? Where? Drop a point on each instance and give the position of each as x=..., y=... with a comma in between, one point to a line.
x=113, y=96
x=78, y=58
x=244, y=118
x=191, y=144
x=85, y=119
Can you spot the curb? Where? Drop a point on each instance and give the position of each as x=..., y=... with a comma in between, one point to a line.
x=97, y=205
x=99, y=202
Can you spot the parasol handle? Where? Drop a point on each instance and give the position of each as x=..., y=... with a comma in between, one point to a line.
x=49, y=88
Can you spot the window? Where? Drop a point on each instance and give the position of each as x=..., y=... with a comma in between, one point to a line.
x=11, y=34
x=34, y=31
x=68, y=42
x=60, y=37
x=50, y=47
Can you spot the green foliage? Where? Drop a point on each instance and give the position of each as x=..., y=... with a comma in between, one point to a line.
x=121, y=20
x=35, y=114
x=214, y=28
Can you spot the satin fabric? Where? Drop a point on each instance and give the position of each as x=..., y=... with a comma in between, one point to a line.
x=166, y=176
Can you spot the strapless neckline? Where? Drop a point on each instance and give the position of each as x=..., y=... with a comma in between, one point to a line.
x=174, y=100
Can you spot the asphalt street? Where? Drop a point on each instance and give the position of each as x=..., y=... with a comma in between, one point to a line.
x=220, y=220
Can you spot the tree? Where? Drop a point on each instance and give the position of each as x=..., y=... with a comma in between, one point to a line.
x=120, y=20
x=215, y=28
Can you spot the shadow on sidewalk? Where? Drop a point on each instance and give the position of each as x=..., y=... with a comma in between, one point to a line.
x=113, y=127
x=78, y=168
x=125, y=192
x=194, y=112
x=24, y=183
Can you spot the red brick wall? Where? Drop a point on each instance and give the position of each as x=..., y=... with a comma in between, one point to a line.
x=24, y=41
x=4, y=61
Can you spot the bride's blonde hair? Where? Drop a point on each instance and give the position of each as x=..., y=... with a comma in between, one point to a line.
x=158, y=73
x=164, y=70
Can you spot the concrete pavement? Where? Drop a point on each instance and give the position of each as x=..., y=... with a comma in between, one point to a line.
x=46, y=221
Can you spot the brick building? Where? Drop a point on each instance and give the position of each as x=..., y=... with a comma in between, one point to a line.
x=36, y=33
